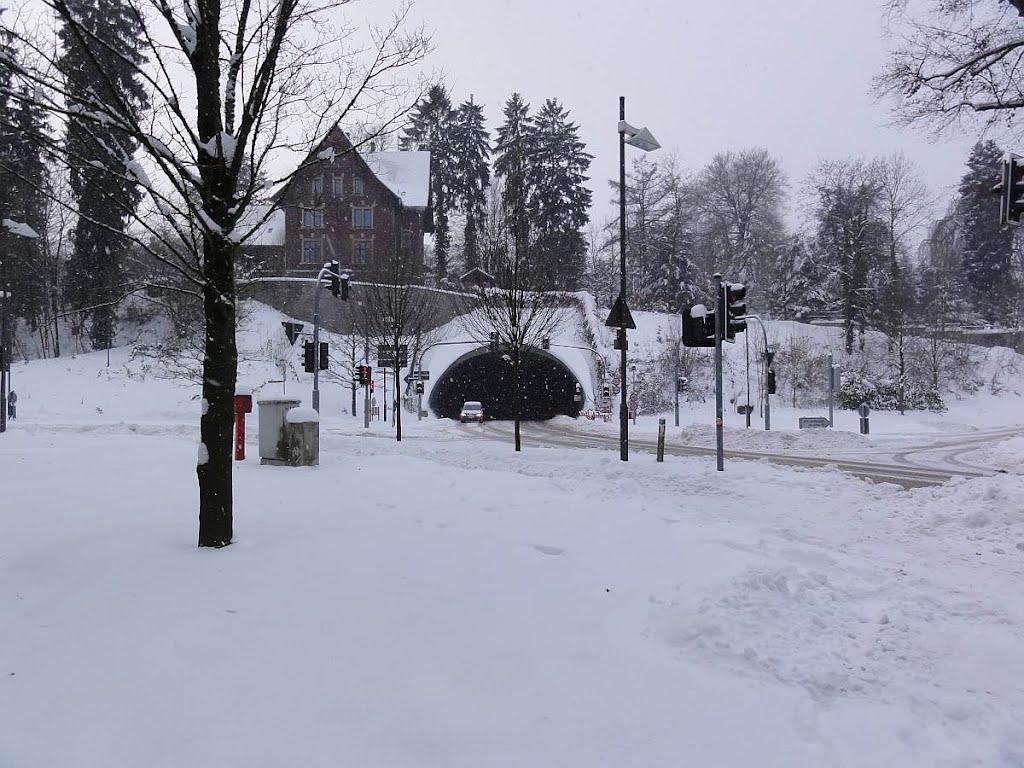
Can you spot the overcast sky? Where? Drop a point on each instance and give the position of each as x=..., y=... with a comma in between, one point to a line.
x=792, y=76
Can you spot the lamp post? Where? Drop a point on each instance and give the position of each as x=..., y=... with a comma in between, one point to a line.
x=620, y=318
x=5, y=364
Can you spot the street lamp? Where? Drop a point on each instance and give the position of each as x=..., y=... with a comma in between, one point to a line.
x=619, y=317
x=5, y=363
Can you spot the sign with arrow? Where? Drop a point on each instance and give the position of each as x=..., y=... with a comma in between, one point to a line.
x=417, y=376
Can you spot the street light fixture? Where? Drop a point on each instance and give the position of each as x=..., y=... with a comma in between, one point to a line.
x=619, y=317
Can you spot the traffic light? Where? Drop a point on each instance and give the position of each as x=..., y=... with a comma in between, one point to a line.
x=735, y=308
x=307, y=356
x=771, y=381
x=1011, y=190
x=494, y=341
x=545, y=343
x=357, y=374
x=698, y=326
x=419, y=387
x=362, y=374
x=334, y=272
x=323, y=356
x=607, y=391
x=682, y=384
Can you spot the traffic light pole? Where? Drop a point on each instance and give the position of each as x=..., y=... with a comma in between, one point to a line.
x=719, y=334
x=366, y=387
x=316, y=338
x=767, y=365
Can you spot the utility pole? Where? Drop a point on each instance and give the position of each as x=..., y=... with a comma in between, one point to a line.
x=719, y=333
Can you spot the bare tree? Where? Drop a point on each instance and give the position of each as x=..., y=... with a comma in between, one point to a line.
x=229, y=81
x=956, y=59
x=739, y=198
x=398, y=312
x=511, y=317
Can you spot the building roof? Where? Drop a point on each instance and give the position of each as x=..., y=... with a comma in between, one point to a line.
x=407, y=174
x=270, y=232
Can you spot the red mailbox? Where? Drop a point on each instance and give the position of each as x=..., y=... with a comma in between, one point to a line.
x=243, y=405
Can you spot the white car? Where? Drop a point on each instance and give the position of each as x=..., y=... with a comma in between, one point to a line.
x=472, y=410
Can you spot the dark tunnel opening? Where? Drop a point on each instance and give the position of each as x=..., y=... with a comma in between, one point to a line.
x=549, y=387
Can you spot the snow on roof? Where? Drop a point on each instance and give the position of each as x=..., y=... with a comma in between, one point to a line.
x=407, y=174
x=270, y=232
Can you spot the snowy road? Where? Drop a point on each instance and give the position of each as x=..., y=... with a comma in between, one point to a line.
x=913, y=467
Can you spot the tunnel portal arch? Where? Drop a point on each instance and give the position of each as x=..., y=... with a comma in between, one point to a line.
x=549, y=387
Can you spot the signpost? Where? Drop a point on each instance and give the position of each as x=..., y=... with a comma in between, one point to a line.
x=386, y=356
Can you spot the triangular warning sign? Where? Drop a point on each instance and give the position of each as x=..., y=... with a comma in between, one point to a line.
x=619, y=317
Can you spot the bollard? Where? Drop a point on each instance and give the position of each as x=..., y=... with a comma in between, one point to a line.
x=661, y=439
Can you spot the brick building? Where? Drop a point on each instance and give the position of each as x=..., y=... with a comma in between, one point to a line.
x=357, y=208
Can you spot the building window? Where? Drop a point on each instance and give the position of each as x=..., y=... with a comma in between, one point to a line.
x=361, y=251
x=312, y=251
x=357, y=185
x=362, y=218
x=318, y=185
x=313, y=217
x=338, y=187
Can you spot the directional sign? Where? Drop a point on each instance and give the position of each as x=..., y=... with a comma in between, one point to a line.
x=417, y=376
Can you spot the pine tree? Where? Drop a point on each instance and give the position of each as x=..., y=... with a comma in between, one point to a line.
x=851, y=235
x=430, y=129
x=512, y=156
x=23, y=180
x=470, y=148
x=987, y=245
x=24, y=201
x=558, y=203
x=100, y=78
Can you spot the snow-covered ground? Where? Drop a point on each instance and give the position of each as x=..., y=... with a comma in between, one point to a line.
x=444, y=601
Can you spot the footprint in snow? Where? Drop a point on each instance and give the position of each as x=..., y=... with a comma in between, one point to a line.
x=547, y=550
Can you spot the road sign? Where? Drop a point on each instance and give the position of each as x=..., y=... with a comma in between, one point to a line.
x=292, y=330
x=863, y=410
x=417, y=376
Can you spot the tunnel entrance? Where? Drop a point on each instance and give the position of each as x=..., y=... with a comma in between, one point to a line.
x=549, y=387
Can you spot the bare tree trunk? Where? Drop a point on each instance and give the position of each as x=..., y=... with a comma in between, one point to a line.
x=517, y=395
x=220, y=371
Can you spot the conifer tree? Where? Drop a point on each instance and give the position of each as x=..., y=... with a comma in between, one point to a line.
x=470, y=148
x=100, y=74
x=557, y=200
x=23, y=179
x=512, y=156
x=430, y=129
x=987, y=245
